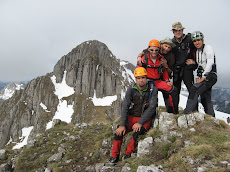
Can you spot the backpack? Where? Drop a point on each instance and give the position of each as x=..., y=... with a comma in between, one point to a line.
x=160, y=67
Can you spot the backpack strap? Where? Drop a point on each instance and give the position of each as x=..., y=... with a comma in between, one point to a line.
x=145, y=65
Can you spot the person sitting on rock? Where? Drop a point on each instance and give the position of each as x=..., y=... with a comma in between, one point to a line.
x=206, y=75
x=137, y=112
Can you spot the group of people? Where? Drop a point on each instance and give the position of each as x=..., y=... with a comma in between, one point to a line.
x=162, y=67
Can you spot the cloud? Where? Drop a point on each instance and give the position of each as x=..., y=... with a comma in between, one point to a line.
x=36, y=34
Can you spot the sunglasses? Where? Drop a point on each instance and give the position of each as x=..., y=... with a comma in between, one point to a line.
x=154, y=50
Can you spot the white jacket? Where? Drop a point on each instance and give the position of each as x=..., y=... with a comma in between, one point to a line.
x=205, y=57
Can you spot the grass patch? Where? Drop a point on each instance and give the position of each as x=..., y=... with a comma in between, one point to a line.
x=88, y=145
x=211, y=142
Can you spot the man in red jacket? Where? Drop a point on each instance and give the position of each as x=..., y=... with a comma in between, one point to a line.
x=155, y=70
x=168, y=62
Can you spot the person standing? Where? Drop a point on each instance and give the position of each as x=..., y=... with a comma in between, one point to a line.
x=168, y=61
x=182, y=52
x=138, y=109
x=165, y=50
x=206, y=75
x=158, y=75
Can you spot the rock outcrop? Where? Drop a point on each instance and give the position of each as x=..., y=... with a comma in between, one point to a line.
x=91, y=70
x=24, y=110
x=91, y=66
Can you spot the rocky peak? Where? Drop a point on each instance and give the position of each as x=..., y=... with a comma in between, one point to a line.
x=90, y=66
x=9, y=89
x=90, y=69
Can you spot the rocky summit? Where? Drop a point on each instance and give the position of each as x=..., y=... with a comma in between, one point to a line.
x=90, y=66
x=58, y=123
x=90, y=69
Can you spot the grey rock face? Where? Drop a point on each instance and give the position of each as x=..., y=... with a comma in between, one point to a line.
x=48, y=170
x=2, y=153
x=90, y=68
x=90, y=169
x=5, y=168
x=24, y=110
x=167, y=122
x=126, y=168
x=182, y=122
x=189, y=120
x=143, y=146
x=188, y=143
x=152, y=168
x=10, y=89
x=56, y=157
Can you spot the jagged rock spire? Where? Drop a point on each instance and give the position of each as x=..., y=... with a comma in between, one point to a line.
x=90, y=66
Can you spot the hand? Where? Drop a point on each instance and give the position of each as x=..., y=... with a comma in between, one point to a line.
x=120, y=131
x=164, y=62
x=136, y=127
x=169, y=84
x=140, y=61
x=199, y=80
x=190, y=61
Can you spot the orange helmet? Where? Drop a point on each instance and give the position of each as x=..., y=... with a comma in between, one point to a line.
x=154, y=43
x=140, y=71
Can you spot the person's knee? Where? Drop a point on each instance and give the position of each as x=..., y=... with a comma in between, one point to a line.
x=136, y=134
x=173, y=90
x=116, y=137
x=192, y=92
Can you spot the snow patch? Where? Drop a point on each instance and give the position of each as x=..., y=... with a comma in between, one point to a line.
x=8, y=93
x=24, y=138
x=49, y=125
x=122, y=63
x=62, y=89
x=105, y=101
x=18, y=86
x=9, y=141
x=64, y=111
x=44, y=107
x=9, y=90
x=127, y=74
x=122, y=94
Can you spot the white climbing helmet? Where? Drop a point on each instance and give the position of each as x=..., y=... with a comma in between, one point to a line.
x=197, y=35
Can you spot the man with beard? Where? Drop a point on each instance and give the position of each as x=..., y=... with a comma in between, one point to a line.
x=137, y=112
x=168, y=61
x=157, y=74
x=183, y=71
x=206, y=75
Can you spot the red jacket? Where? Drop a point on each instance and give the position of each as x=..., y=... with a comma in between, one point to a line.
x=152, y=73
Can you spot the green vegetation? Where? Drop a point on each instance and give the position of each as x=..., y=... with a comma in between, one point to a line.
x=88, y=145
x=211, y=143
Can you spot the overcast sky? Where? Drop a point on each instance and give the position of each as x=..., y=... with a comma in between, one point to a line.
x=35, y=34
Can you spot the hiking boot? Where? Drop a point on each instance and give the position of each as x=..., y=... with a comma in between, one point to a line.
x=126, y=157
x=113, y=160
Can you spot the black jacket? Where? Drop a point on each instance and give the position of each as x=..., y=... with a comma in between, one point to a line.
x=134, y=98
x=183, y=50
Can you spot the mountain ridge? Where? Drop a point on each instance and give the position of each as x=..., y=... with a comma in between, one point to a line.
x=79, y=79
x=86, y=72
